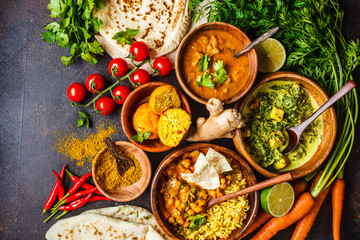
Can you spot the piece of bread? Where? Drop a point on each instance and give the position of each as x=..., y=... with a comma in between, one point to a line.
x=145, y=120
x=163, y=98
x=173, y=125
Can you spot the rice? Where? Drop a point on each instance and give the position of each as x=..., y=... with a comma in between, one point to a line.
x=223, y=218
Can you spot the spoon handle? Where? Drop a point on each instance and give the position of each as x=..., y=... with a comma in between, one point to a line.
x=267, y=183
x=339, y=94
x=257, y=41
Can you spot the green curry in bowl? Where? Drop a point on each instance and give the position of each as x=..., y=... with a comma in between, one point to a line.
x=273, y=107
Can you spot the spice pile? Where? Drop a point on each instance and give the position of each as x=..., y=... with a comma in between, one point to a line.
x=72, y=197
x=83, y=149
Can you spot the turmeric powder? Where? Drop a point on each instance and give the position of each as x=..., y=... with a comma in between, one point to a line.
x=83, y=147
x=106, y=170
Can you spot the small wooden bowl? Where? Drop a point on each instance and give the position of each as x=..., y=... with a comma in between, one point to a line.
x=253, y=62
x=137, y=97
x=133, y=191
x=329, y=133
x=245, y=169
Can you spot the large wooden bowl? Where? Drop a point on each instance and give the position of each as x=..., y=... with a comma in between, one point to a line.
x=329, y=119
x=125, y=194
x=253, y=62
x=245, y=169
x=137, y=97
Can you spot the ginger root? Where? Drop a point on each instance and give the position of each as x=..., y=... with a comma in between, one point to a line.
x=220, y=124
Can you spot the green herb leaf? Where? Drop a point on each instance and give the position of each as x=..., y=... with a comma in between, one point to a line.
x=204, y=63
x=82, y=114
x=205, y=80
x=220, y=73
x=147, y=135
x=140, y=137
x=80, y=122
x=124, y=37
x=67, y=61
x=196, y=221
x=148, y=216
x=85, y=119
x=48, y=37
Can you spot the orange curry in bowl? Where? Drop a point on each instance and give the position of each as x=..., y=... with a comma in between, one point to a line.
x=210, y=67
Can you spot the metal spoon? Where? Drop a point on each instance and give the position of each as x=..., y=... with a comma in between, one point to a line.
x=257, y=41
x=296, y=131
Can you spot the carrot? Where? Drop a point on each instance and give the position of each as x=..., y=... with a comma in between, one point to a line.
x=260, y=219
x=302, y=206
x=299, y=186
x=304, y=225
x=337, y=191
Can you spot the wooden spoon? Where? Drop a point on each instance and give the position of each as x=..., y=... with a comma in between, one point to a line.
x=257, y=41
x=296, y=131
x=122, y=163
x=267, y=183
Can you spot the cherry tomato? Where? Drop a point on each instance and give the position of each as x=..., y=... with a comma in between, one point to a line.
x=95, y=83
x=118, y=67
x=140, y=50
x=164, y=65
x=76, y=92
x=105, y=105
x=121, y=93
x=140, y=77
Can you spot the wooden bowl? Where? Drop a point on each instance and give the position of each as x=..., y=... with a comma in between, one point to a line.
x=216, y=26
x=245, y=169
x=329, y=119
x=133, y=191
x=137, y=97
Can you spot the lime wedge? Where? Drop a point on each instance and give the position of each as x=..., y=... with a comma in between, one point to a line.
x=278, y=199
x=271, y=55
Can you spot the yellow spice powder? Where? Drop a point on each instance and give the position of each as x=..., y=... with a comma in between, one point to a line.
x=83, y=147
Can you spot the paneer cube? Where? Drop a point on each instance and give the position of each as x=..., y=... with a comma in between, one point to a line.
x=277, y=114
x=276, y=139
x=281, y=163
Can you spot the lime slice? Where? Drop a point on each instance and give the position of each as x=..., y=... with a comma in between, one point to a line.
x=278, y=199
x=271, y=55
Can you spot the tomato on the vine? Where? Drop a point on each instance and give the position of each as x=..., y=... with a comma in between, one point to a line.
x=120, y=93
x=105, y=105
x=118, y=67
x=94, y=83
x=164, y=65
x=140, y=77
x=140, y=50
x=76, y=92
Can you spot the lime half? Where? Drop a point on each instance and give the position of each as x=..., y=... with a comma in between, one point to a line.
x=271, y=55
x=278, y=199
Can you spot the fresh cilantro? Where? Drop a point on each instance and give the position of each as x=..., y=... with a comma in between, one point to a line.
x=75, y=29
x=204, y=63
x=148, y=216
x=83, y=120
x=140, y=137
x=205, y=80
x=196, y=221
x=220, y=73
x=125, y=37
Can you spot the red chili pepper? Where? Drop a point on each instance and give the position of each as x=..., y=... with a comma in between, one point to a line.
x=85, y=185
x=75, y=196
x=52, y=196
x=99, y=198
x=74, y=205
x=62, y=173
x=61, y=190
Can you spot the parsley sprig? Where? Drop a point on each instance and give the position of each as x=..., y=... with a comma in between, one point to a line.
x=125, y=37
x=220, y=73
x=203, y=63
x=75, y=29
x=196, y=221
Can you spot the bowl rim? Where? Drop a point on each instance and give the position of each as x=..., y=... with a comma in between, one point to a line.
x=143, y=186
x=185, y=106
x=253, y=197
x=187, y=38
x=279, y=76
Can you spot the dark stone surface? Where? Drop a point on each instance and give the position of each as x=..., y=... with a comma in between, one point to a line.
x=33, y=105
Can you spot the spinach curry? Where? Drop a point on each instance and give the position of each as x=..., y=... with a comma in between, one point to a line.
x=272, y=108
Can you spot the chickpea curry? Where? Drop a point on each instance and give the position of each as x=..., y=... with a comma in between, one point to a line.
x=183, y=203
x=211, y=68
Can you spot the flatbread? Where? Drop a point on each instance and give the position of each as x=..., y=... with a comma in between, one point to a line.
x=219, y=161
x=204, y=175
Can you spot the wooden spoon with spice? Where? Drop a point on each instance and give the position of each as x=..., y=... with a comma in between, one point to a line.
x=122, y=163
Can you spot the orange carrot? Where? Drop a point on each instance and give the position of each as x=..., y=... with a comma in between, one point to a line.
x=304, y=225
x=261, y=218
x=299, y=186
x=338, y=189
x=302, y=206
